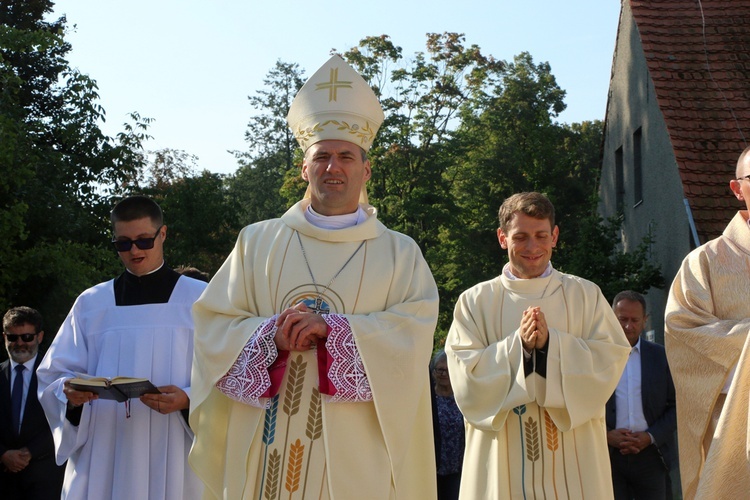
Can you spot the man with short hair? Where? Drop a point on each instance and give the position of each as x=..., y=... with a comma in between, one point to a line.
x=533, y=355
x=641, y=414
x=312, y=339
x=27, y=451
x=136, y=325
x=707, y=320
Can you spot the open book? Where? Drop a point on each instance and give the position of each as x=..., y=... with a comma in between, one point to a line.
x=118, y=388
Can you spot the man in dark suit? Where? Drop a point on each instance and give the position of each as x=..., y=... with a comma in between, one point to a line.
x=27, y=459
x=641, y=415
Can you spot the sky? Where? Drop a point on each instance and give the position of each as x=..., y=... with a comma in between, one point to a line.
x=190, y=65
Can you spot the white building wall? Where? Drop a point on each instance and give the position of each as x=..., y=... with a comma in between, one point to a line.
x=632, y=104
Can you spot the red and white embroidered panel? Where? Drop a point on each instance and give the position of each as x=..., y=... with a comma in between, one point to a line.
x=347, y=372
x=248, y=379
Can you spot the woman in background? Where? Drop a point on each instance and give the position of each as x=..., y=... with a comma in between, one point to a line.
x=448, y=425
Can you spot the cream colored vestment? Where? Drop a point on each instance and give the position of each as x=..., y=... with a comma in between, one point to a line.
x=535, y=437
x=706, y=334
x=378, y=449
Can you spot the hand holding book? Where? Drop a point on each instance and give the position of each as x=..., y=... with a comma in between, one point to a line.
x=170, y=399
x=79, y=390
x=165, y=399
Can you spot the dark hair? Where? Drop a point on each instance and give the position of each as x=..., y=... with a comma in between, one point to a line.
x=22, y=315
x=533, y=204
x=193, y=272
x=137, y=207
x=632, y=296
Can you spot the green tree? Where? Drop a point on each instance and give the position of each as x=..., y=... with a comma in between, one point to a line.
x=596, y=254
x=415, y=146
x=202, y=219
x=58, y=169
x=269, y=161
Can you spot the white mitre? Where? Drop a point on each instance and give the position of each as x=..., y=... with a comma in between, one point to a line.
x=335, y=104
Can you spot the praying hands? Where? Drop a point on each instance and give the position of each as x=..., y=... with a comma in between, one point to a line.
x=299, y=329
x=533, y=330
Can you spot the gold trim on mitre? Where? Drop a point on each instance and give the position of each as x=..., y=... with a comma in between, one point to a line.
x=336, y=103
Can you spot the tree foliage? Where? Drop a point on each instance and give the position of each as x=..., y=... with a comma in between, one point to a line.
x=257, y=184
x=596, y=254
x=462, y=132
x=202, y=220
x=58, y=169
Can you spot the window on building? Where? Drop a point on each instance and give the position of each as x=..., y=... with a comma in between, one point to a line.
x=637, y=169
x=619, y=182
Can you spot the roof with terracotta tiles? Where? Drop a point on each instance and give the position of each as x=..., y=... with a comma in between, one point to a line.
x=698, y=55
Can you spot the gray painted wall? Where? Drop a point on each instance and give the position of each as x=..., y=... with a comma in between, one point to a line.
x=632, y=104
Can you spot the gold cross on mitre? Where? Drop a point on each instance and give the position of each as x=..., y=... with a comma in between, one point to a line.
x=333, y=85
x=335, y=103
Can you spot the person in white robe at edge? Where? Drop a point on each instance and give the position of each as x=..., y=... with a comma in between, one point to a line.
x=707, y=338
x=533, y=356
x=312, y=338
x=136, y=325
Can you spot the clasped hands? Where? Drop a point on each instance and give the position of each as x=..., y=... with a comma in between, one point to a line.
x=629, y=443
x=16, y=460
x=298, y=329
x=533, y=329
x=170, y=399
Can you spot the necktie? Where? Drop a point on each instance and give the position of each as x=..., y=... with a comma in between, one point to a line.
x=16, y=398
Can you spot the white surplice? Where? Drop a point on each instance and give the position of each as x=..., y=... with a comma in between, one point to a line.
x=381, y=448
x=110, y=455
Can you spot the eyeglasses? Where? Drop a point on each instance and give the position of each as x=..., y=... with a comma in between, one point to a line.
x=441, y=371
x=142, y=243
x=26, y=337
x=744, y=178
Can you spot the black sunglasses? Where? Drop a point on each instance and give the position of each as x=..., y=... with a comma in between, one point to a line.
x=142, y=243
x=26, y=337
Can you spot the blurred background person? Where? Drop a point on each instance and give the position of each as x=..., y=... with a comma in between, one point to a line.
x=641, y=415
x=27, y=459
x=193, y=272
x=449, y=430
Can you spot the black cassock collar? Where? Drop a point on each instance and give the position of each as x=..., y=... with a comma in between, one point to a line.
x=153, y=288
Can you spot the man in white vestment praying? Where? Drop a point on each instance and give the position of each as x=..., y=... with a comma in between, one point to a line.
x=533, y=356
x=136, y=325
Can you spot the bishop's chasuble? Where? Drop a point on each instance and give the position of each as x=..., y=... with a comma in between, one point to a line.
x=114, y=453
x=707, y=320
x=535, y=436
x=373, y=438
